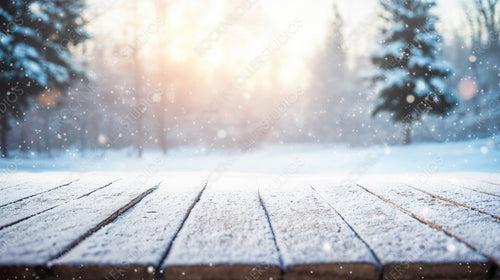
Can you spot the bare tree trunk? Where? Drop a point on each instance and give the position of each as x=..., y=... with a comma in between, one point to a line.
x=487, y=10
x=46, y=132
x=24, y=136
x=139, y=108
x=162, y=105
x=407, y=134
x=83, y=134
x=137, y=84
x=3, y=140
x=161, y=125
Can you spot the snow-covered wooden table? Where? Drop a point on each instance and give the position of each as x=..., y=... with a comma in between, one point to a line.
x=249, y=226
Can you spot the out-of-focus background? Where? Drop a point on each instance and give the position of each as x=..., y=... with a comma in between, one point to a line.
x=88, y=83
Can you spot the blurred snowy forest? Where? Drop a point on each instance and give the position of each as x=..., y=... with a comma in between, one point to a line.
x=161, y=74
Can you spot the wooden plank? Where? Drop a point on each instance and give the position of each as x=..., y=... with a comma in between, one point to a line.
x=483, y=187
x=485, y=177
x=135, y=244
x=461, y=195
x=8, y=183
x=488, y=183
x=480, y=182
x=34, y=185
x=226, y=236
x=313, y=239
x=21, y=210
x=27, y=247
x=480, y=231
x=406, y=247
x=10, y=179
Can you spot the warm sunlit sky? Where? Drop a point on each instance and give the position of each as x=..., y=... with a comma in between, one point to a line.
x=268, y=42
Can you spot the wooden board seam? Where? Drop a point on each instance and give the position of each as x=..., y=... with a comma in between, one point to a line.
x=106, y=221
x=280, y=258
x=378, y=262
x=490, y=182
x=99, y=188
x=453, y=202
x=48, y=209
x=169, y=247
x=424, y=221
x=46, y=191
x=25, y=218
x=480, y=191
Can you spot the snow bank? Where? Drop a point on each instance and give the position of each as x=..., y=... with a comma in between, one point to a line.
x=472, y=156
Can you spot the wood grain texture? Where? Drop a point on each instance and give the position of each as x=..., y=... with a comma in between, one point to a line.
x=21, y=210
x=34, y=185
x=222, y=272
x=481, y=231
x=396, y=237
x=457, y=194
x=137, y=240
x=226, y=234
x=37, y=240
x=249, y=227
x=313, y=239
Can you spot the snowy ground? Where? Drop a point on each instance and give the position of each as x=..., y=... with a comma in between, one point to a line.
x=473, y=156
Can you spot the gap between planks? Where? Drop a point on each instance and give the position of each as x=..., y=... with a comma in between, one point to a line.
x=422, y=220
x=144, y=194
x=448, y=200
x=50, y=208
x=106, y=221
x=99, y=188
x=160, y=275
x=274, y=235
x=480, y=191
x=498, y=184
x=39, y=193
x=351, y=228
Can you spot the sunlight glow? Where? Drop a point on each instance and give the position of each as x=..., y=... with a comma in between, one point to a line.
x=215, y=58
x=214, y=41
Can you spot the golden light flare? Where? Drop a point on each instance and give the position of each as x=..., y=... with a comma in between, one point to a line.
x=49, y=98
x=177, y=52
x=467, y=89
x=232, y=38
x=215, y=58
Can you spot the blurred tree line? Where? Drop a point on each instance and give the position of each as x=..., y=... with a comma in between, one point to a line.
x=126, y=102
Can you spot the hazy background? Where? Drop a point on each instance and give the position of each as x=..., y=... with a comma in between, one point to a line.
x=241, y=75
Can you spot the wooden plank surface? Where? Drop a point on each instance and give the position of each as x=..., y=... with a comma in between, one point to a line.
x=313, y=239
x=286, y=231
x=226, y=236
x=487, y=183
x=483, y=187
x=479, y=230
x=23, y=209
x=27, y=247
x=34, y=184
x=407, y=248
x=486, y=188
x=134, y=245
x=479, y=182
x=7, y=183
x=463, y=196
x=481, y=177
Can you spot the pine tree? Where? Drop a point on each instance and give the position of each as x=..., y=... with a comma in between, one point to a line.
x=410, y=75
x=35, y=42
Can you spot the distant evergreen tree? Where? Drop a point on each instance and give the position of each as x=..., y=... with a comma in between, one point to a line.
x=410, y=75
x=35, y=42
